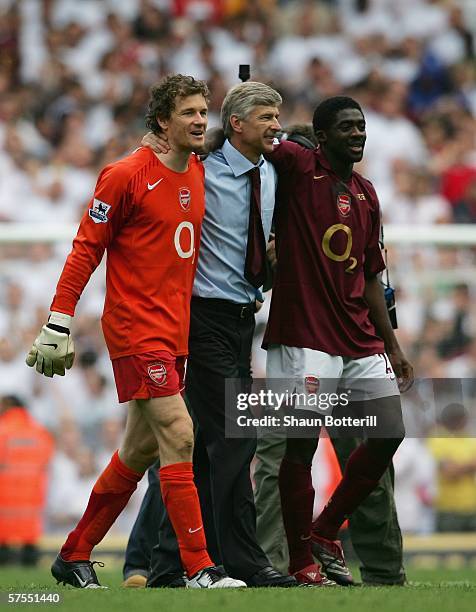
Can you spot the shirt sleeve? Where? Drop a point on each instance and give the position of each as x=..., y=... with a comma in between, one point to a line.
x=284, y=157
x=106, y=214
x=373, y=262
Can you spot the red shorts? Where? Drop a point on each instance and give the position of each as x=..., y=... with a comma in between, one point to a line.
x=154, y=374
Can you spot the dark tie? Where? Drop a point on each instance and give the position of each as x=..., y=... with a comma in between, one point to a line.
x=255, y=263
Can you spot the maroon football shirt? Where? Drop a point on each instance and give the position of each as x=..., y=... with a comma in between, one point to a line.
x=327, y=242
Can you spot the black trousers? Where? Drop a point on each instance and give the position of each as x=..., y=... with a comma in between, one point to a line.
x=221, y=335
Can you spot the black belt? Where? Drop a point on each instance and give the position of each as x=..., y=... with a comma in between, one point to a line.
x=241, y=311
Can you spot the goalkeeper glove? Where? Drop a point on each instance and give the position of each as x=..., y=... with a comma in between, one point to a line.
x=53, y=350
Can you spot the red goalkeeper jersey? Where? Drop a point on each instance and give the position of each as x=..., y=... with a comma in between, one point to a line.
x=148, y=217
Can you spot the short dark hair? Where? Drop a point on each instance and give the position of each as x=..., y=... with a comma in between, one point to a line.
x=326, y=112
x=163, y=97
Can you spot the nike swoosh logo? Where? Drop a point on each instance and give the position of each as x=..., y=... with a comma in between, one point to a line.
x=55, y=346
x=339, y=570
x=321, y=176
x=150, y=187
x=305, y=538
x=82, y=583
x=190, y=530
x=335, y=564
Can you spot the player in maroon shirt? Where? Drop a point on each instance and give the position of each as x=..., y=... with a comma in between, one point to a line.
x=328, y=325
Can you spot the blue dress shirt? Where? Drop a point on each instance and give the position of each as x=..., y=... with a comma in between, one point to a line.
x=221, y=262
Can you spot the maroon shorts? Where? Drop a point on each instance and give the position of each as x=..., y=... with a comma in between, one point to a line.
x=154, y=374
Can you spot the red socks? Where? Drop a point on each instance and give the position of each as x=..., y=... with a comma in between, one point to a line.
x=361, y=475
x=183, y=507
x=109, y=496
x=297, y=501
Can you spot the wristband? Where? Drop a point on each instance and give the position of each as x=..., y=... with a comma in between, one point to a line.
x=60, y=319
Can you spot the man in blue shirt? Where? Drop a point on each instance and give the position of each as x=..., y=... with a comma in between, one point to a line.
x=221, y=332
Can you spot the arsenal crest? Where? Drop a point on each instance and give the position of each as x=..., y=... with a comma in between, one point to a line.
x=185, y=198
x=311, y=384
x=158, y=373
x=343, y=204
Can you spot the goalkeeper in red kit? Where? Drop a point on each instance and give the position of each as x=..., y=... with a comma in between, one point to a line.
x=146, y=211
x=328, y=325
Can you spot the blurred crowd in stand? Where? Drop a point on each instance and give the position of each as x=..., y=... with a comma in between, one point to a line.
x=74, y=80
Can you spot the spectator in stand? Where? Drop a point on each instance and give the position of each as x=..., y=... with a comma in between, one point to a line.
x=414, y=486
x=458, y=339
x=465, y=209
x=414, y=201
x=67, y=501
x=389, y=117
x=13, y=379
x=431, y=83
x=63, y=476
x=455, y=455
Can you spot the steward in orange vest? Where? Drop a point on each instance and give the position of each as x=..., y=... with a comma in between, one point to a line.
x=26, y=448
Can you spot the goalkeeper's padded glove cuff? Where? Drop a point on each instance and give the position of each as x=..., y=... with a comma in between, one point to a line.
x=58, y=328
x=60, y=322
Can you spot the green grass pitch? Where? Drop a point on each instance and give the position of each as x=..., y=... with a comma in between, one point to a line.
x=451, y=590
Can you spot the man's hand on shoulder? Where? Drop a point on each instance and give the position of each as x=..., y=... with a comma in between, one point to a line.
x=157, y=142
x=53, y=350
